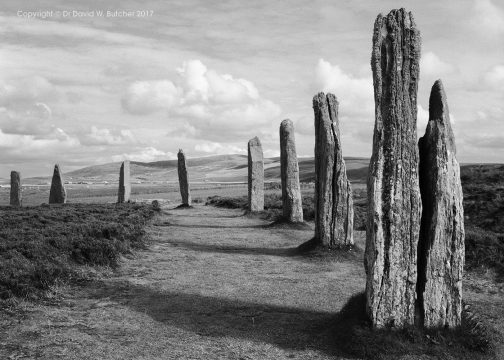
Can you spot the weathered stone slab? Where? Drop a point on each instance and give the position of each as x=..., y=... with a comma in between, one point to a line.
x=124, y=183
x=289, y=171
x=394, y=204
x=333, y=193
x=57, y=194
x=441, y=249
x=15, y=189
x=255, y=175
x=183, y=179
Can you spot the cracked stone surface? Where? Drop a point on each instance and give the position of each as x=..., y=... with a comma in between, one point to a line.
x=333, y=193
x=124, y=183
x=289, y=171
x=441, y=249
x=183, y=179
x=394, y=203
x=255, y=175
x=57, y=194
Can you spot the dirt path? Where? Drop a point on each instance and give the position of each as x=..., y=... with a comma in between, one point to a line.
x=213, y=285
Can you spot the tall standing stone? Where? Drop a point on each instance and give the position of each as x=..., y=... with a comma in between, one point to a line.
x=441, y=248
x=289, y=171
x=394, y=204
x=183, y=179
x=124, y=183
x=333, y=193
x=15, y=189
x=255, y=175
x=57, y=195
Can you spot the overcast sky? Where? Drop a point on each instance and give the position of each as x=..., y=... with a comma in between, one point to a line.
x=207, y=76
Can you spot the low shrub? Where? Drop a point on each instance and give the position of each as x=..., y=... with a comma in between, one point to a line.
x=39, y=245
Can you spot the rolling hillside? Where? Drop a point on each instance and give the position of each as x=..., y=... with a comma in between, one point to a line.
x=219, y=168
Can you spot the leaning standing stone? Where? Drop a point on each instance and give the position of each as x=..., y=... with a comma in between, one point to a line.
x=255, y=175
x=57, y=195
x=394, y=204
x=441, y=247
x=183, y=179
x=124, y=183
x=15, y=189
x=333, y=194
x=289, y=171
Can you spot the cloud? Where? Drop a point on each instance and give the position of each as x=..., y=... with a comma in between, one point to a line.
x=213, y=106
x=494, y=78
x=488, y=17
x=100, y=137
x=145, y=97
x=355, y=95
x=147, y=154
x=26, y=90
x=432, y=65
x=217, y=148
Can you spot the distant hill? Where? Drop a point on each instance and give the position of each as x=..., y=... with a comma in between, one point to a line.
x=218, y=168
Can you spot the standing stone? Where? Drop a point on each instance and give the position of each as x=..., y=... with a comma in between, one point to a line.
x=255, y=175
x=441, y=248
x=183, y=179
x=124, y=183
x=289, y=171
x=15, y=189
x=57, y=195
x=333, y=194
x=394, y=204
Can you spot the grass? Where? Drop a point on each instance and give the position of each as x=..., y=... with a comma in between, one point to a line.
x=45, y=244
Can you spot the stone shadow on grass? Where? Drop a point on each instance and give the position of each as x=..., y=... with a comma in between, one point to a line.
x=286, y=327
x=229, y=249
x=346, y=333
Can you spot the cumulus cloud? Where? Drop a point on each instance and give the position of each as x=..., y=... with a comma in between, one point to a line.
x=25, y=90
x=432, y=65
x=97, y=136
x=494, y=78
x=354, y=94
x=488, y=17
x=217, y=148
x=213, y=106
x=147, y=154
x=144, y=97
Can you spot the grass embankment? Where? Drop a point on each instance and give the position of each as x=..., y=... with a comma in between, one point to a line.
x=45, y=244
x=484, y=217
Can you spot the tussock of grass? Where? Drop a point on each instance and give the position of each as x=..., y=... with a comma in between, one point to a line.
x=41, y=245
x=353, y=334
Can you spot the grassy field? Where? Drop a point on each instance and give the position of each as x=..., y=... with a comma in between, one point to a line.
x=213, y=283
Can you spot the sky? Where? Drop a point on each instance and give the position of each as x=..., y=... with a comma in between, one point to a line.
x=80, y=88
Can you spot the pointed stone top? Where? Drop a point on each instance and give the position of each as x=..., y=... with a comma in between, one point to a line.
x=57, y=168
x=180, y=151
x=439, y=112
x=438, y=107
x=254, y=141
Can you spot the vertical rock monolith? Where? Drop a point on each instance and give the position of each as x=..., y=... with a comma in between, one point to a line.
x=333, y=193
x=289, y=173
x=394, y=203
x=15, y=189
x=124, y=183
x=183, y=179
x=441, y=245
x=57, y=194
x=255, y=175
